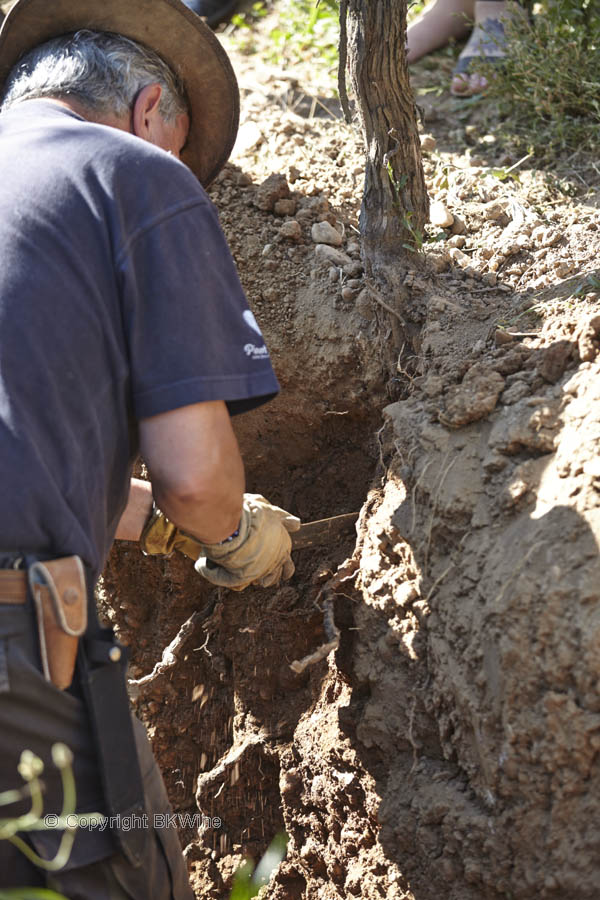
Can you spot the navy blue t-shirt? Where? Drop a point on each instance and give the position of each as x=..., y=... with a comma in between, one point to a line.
x=119, y=300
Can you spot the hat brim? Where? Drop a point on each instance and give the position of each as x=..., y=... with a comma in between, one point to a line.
x=169, y=28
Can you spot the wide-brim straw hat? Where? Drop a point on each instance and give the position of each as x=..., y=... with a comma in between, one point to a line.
x=169, y=28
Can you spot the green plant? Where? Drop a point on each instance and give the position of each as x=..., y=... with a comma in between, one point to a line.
x=548, y=86
x=247, y=19
x=589, y=285
x=307, y=30
x=405, y=215
x=30, y=769
x=248, y=880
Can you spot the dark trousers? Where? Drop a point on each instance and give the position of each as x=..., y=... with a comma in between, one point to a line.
x=34, y=715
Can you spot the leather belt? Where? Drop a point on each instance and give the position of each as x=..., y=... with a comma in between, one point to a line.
x=13, y=586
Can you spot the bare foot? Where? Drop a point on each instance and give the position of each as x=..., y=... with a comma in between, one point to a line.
x=439, y=22
x=487, y=42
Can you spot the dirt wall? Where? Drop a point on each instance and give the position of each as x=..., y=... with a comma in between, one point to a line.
x=471, y=702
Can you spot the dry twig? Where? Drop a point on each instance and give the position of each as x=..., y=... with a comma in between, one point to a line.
x=171, y=653
x=332, y=634
x=343, y=58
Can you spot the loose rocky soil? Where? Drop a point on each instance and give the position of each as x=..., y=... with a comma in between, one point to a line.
x=449, y=747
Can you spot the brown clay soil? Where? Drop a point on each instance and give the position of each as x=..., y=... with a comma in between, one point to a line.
x=449, y=747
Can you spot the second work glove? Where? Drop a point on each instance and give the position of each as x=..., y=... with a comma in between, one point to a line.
x=260, y=554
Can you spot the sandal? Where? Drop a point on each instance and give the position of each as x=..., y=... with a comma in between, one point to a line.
x=486, y=44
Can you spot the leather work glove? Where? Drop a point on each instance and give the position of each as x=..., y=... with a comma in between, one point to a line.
x=259, y=554
x=160, y=537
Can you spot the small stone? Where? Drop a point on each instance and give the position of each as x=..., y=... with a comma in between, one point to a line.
x=459, y=257
x=511, y=248
x=353, y=248
x=433, y=385
x=364, y=305
x=331, y=255
x=457, y=240
x=325, y=233
x=493, y=211
x=428, y=143
x=243, y=180
x=545, y=237
x=591, y=467
x=355, y=284
x=475, y=398
x=348, y=294
x=587, y=339
x=291, y=231
x=293, y=174
x=304, y=216
x=333, y=274
x=440, y=215
x=555, y=360
x=562, y=268
x=320, y=206
x=458, y=226
x=438, y=262
x=248, y=136
x=353, y=270
x=515, y=392
x=437, y=305
x=273, y=188
x=286, y=207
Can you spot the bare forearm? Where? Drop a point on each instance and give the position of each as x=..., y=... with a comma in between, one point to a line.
x=211, y=514
x=196, y=469
x=135, y=515
x=199, y=518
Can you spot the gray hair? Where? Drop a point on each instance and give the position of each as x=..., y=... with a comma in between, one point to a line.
x=103, y=71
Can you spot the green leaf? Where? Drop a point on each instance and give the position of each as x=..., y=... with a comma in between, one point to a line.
x=502, y=175
x=30, y=894
x=242, y=882
x=271, y=859
x=239, y=21
x=248, y=881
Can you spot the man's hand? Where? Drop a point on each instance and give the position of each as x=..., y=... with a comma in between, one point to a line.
x=160, y=537
x=259, y=554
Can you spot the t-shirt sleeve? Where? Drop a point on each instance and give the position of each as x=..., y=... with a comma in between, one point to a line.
x=191, y=336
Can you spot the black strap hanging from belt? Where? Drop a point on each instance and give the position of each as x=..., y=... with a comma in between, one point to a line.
x=102, y=667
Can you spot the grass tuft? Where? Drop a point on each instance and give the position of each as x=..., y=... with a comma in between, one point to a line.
x=548, y=89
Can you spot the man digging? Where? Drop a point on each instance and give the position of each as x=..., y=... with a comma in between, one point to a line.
x=123, y=330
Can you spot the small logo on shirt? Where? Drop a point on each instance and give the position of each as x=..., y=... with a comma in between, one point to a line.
x=251, y=321
x=255, y=352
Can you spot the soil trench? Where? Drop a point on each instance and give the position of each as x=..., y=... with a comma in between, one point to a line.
x=222, y=720
x=449, y=748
